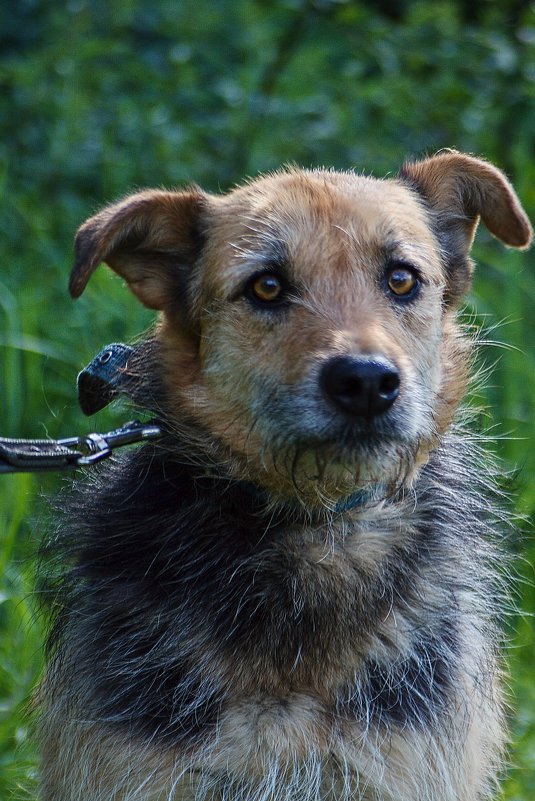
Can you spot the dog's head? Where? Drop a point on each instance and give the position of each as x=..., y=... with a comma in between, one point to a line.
x=308, y=318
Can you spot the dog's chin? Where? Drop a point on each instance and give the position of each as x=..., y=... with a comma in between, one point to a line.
x=328, y=471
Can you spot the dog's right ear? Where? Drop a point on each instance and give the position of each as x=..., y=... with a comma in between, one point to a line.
x=150, y=239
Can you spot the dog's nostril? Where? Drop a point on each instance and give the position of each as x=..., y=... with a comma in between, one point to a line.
x=363, y=387
x=389, y=384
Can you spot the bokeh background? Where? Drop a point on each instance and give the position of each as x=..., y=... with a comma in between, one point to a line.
x=99, y=97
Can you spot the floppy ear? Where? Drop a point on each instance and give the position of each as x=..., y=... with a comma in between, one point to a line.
x=150, y=239
x=460, y=190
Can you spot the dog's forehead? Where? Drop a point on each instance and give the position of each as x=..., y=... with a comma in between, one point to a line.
x=320, y=214
x=299, y=199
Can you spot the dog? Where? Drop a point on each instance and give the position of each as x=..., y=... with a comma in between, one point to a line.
x=294, y=594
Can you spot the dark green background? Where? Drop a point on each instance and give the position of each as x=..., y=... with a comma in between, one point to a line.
x=99, y=98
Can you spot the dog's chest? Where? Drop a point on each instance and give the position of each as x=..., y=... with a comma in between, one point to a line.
x=294, y=748
x=296, y=616
x=255, y=649
x=218, y=620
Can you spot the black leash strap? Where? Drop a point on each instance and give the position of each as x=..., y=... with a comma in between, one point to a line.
x=37, y=455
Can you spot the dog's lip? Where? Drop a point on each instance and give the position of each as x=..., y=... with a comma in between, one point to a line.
x=360, y=433
x=351, y=450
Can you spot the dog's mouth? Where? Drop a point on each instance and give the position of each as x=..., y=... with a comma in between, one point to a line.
x=339, y=436
x=366, y=459
x=322, y=448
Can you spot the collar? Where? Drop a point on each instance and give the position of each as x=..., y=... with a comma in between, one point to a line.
x=357, y=499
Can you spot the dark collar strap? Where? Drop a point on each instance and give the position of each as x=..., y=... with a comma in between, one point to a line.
x=104, y=378
x=358, y=498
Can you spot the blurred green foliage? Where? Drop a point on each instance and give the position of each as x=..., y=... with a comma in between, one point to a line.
x=99, y=97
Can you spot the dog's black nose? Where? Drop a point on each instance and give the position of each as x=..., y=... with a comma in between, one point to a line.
x=361, y=386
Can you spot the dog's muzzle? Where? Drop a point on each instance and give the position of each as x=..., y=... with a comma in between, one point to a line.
x=362, y=387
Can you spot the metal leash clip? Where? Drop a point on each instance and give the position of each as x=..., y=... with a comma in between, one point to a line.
x=25, y=456
x=95, y=447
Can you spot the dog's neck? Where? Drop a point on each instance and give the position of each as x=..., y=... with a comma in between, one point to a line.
x=356, y=499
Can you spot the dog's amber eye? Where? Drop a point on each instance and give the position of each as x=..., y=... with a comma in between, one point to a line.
x=267, y=288
x=402, y=281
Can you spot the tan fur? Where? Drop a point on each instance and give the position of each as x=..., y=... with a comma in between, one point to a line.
x=188, y=255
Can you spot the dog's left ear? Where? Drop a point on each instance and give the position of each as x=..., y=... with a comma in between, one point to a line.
x=460, y=190
x=151, y=239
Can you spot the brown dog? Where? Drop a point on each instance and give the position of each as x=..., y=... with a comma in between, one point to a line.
x=292, y=595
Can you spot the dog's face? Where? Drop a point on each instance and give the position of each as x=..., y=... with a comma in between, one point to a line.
x=319, y=305
x=308, y=317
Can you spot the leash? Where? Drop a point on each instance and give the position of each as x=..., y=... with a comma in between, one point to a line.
x=38, y=455
x=98, y=384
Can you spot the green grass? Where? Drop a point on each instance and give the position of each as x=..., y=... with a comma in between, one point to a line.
x=20, y=637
